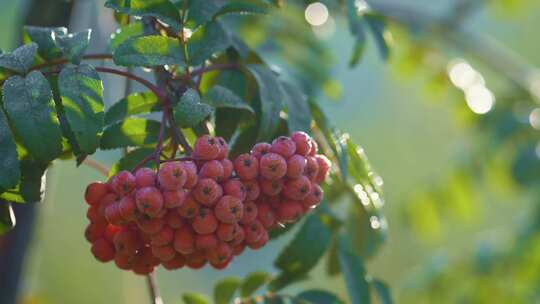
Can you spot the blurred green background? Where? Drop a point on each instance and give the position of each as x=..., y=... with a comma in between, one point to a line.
x=452, y=200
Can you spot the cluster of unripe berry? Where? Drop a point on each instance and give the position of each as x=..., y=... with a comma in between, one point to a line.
x=204, y=210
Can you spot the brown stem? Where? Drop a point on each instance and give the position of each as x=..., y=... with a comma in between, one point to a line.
x=162, y=97
x=155, y=297
x=96, y=166
x=64, y=61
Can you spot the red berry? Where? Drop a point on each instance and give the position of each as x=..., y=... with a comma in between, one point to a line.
x=289, y=211
x=171, y=176
x=220, y=254
x=108, y=199
x=297, y=189
x=177, y=262
x=238, y=249
x=110, y=232
x=252, y=189
x=122, y=261
x=112, y=214
x=163, y=237
x=103, y=250
x=191, y=174
x=312, y=168
x=228, y=168
x=205, y=222
x=250, y=213
x=163, y=253
x=223, y=148
x=283, y=146
x=149, y=201
x=253, y=231
x=273, y=166
x=145, y=177
x=235, y=187
x=271, y=187
x=123, y=183
x=314, y=147
x=263, y=239
x=196, y=260
x=206, y=241
x=239, y=237
x=173, y=219
x=314, y=198
x=227, y=232
x=127, y=208
x=266, y=216
x=94, y=232
x=220, y=266
x=206, y=148
x=296, y=165
x=144, y=262
x=229, y=210
x=212, y=169
x=95, y=192
x=150, y=225
x=207, y=192
x=174, y=198
x=92, y=214
x=260, y=149
x=324, y=167
x=190, y=208
x=184, y=241
x=302, y=141
x=246, y=166
x=127, y=242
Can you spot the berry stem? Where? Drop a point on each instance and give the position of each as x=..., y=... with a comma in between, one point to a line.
x=96, y=166
x=162, y=97
x=155, y=297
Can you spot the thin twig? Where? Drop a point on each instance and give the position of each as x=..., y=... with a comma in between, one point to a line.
x=154, y=291
x=64, y=61
x=136, y=78
x=104, y=170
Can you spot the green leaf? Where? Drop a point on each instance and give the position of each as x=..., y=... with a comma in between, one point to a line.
x=225, y=289
x=43, y=36
x=136, y=103
x=354, y=274
x=81, y=90
x=30, y=107
x=382, y=291
x=299, y=115
x=131, y=132
x=33, y=180
x=194, y=298
x=271, y=97
x=21, y=59
x=253, y=282
x=201, y=12
x=206, y=41
x=74, y=45
x=285, y=279
x=131, y=159
x=316, y=296
x=161, y=9
x=149, y=51
x=377, y=26
x=243, y=7
x=356, y=27
x=7, y=217
x=221, y=97
x=359, y=167
x=189, y=112
x=126, y=32
x=244, y=141
x=9, y=164
x=313, y=237
x=358, y=52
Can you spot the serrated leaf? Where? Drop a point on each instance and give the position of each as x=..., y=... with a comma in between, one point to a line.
x=201, y=12
x=194, y=298
x=317, y=296
x=206, y=41
x=30, y=107
x=299, y=115
x=43, y=36
x=131, y=159
x=7, y=217
x=189, y=112
x=132, y=132
x=9, y=164
x=271, y=97
x=221, y=97
x=21, y=59
x=225, y=289
x=136, y=103
x=382, y=291
x=313, y=237
x=33, y=180
x=126, y=32
x=354, y=274
x=81, y=91
x=253, y=282
x=161, y=9
x=149, y=51
x=243, y=7
x=74, y=45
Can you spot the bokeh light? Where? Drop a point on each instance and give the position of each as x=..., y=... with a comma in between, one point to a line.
x=478, y=97
x=316, y=14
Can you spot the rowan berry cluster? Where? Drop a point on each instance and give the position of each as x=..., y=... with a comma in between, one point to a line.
x=204, y=210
